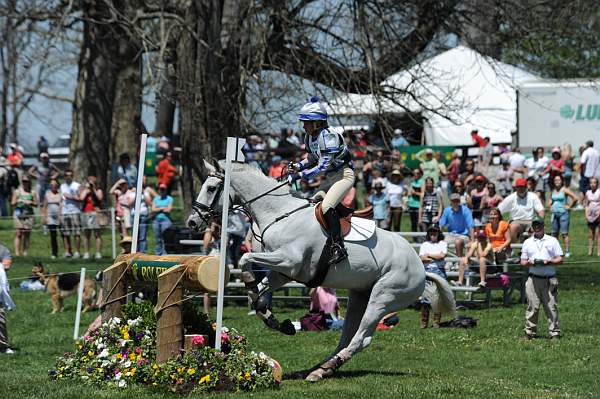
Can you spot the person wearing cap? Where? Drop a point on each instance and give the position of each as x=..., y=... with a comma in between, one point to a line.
x=395, y=191
x=123, y=204
x=429, y=165
x=555, y=167
x=399, y=141
x=328, y=156
x=24, y=200
x=522, y=206
x=43, y=173
x=459, y=221
x=482, y=250
x=380, y=202
x=162, y=205
x=589, y=165
x=432, y=253
x=540, y=254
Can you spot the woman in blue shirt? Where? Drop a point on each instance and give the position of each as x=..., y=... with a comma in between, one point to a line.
x=162, y=205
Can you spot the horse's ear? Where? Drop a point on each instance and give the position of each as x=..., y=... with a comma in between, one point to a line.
x=220, y=168
x=209, y=167
x=221, y=164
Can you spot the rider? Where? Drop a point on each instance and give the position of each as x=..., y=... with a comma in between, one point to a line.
x=328, y=155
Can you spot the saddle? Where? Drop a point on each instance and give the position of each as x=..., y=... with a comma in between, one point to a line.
x=345, y=214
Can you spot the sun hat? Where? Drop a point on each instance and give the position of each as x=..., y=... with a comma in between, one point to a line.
x=556, y=149
x=313, y=110
x=428, y=151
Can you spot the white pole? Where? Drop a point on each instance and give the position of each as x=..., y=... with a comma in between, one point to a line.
x=113, y=232
x=139, y=194
x=231, y=154
x=79, y=301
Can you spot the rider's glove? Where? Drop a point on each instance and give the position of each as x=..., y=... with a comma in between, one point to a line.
x=293, y=177
x=295, y=166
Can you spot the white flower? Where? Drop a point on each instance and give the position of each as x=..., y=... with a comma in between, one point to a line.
x=118, y=376
x=122, y=384
x=104, y=353
x=134, y=322
x=224, y=329
x=114, y=321
x=122, y=342
x=262, y=355
x=127, y=363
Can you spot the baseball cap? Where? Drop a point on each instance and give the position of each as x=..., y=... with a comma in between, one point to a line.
x=556, y=149
x=162, y=185
x=454, y=196
x=481, y=234
x=44, y=155
x=521, y=183
x=428, y=151
x=537, y=220
x=480, y=178
x=398, y=132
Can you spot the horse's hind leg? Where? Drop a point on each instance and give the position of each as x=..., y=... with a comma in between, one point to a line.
x=357, y=303
x=384, y=298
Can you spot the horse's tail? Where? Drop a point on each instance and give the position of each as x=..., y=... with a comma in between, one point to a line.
x=439, y=295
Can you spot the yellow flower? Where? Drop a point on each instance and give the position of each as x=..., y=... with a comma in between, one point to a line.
x=247, y=376
x=191, y=371
x=139, y=356
x=204, y=379
x=90, y=353
x=155, y=366
x=125, y=335
x=132, y=356
x=60, y=376
x=119, y=356
x=84, y=359
x=133, y=370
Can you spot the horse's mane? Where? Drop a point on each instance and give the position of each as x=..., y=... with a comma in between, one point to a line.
x=252, y=170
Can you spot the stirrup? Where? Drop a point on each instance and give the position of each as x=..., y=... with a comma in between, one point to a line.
x=338, y=253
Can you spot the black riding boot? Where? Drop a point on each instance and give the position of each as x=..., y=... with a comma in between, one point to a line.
x=338, y=252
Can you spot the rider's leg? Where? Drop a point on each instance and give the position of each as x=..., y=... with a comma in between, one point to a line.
x=334, y=196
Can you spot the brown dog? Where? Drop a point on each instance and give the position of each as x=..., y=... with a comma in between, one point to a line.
x=61, y=285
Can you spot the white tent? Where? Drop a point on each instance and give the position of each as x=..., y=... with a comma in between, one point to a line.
x=468, y=89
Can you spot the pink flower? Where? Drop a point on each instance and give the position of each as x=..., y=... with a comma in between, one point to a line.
x=198, y=340
x=138, y=350
x=224, y=337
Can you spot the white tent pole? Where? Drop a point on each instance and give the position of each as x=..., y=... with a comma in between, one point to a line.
x=113, y=232
x=139, y=194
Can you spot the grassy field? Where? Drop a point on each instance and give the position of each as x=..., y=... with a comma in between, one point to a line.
x=488, y=361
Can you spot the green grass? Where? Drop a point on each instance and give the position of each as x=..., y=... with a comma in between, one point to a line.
x=488, y=361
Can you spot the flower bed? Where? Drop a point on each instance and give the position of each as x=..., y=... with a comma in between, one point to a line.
x=123, y=352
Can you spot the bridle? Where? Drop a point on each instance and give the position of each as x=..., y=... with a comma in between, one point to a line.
x=208, y=212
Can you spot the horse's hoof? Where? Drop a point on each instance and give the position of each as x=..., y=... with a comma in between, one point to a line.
x=315, y=376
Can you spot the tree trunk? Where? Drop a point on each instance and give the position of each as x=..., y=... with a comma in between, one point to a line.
x=107, y=58
x=127, y=104
x=210, y=94
x=166, y=101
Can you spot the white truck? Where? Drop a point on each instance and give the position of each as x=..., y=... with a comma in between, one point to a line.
x=556, y=112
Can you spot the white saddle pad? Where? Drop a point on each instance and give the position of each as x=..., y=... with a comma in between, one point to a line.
x=361, y=229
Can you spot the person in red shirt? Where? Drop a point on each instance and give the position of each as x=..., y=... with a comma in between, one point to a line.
x=166, y=171
x=278, y=167
x=480, y=141
x=556, y=166
x=15, y=158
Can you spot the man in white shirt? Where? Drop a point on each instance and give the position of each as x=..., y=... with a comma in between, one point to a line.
x=535, y=168
x=590, y=160
x=71, y=214
x=540, y=253
x=517, y=163
x=6, y=302
x=522, y=206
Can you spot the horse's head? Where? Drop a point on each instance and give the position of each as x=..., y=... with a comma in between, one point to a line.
x=209, y=202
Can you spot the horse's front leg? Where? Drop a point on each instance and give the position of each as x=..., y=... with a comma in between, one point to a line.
x=258, y=289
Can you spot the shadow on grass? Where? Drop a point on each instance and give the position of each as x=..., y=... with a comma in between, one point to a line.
x=300, y=375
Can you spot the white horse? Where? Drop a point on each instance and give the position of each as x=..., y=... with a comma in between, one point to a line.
x=382, y=274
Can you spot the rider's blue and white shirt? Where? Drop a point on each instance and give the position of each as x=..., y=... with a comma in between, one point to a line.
x=327, y=153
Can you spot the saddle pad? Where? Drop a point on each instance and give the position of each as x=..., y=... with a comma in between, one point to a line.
x=360, y=229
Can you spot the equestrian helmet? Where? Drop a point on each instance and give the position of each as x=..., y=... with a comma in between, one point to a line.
x=313, y=110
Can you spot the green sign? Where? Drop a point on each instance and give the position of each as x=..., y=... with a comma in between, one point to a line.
x=148, y=270
x=581, y=112
x=409, y=154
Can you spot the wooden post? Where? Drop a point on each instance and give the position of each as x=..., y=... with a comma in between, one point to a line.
x=114, y=286
x=169, y=318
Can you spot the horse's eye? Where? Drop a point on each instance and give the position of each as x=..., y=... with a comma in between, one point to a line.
x=211, y=189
